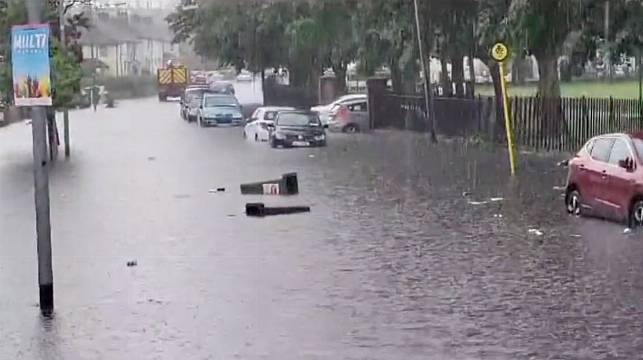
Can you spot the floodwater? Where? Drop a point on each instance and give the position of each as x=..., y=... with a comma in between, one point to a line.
x=411, y=251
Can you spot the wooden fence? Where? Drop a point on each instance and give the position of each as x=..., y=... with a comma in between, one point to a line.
x=565, y=124
x=453, y=116
x=542, y=124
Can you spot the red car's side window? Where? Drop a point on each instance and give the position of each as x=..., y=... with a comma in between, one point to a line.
x=601, y=149
x=620, y=151
x=589, y=146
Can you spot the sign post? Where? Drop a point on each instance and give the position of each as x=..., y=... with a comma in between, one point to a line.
x=32, y=87
x=500, y=53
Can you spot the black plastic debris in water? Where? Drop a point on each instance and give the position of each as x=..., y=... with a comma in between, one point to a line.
x=260, y=210
x=287, y=185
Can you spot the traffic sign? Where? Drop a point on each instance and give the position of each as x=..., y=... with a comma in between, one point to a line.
x=500, y=52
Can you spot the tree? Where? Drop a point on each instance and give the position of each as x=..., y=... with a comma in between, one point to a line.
x=66, y=76
x=545, y=25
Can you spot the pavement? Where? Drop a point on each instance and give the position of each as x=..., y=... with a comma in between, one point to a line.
x=411, y=251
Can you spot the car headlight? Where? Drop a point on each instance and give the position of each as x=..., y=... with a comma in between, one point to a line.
x=320, y=137
x=279, y=136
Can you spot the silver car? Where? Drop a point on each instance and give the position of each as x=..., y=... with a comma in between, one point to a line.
x=350, y=117
x=325, y=111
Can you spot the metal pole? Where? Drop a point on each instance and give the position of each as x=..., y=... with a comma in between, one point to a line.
x=41, y=190
x=608, y=62
x=63, y=45
x=428, y=99
x=639, y=65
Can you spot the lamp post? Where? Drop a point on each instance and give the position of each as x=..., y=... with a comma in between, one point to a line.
x=426, y=69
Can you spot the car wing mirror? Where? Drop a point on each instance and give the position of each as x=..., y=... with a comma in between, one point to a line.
x=627, y=164
x=325, y=126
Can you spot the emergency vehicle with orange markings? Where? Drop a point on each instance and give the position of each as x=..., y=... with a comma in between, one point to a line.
x=172, y=81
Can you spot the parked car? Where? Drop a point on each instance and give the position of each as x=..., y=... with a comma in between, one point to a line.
x=606, y=179
x=222, y=87
x=261, y=121
x=297, y=128
x=191, y=100
x=245, y=75
x=350, y=117
x=324, y=111
x=219, y=109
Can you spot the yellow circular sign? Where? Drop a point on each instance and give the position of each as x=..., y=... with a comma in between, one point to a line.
x=500, y=52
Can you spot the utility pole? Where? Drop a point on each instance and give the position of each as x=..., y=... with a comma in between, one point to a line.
x=426, y=69
x=41, y=189
x=608, y=60
x=63, y=45
x=639, y=65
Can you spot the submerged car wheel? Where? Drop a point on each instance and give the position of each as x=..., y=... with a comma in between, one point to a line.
x=636, y=215
x=573, y=202
x=351, y=128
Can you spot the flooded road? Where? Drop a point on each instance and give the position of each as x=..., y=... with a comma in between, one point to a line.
x=411, y=251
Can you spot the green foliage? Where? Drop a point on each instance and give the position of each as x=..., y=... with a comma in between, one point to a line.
x=66, y=75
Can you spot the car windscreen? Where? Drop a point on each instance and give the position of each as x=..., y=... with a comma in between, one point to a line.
x=211, y=101
x=270, y=115
x=194, y=97
x=298, y=119
x=194, y=94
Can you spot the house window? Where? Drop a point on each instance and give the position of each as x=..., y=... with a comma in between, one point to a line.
x=102, y=51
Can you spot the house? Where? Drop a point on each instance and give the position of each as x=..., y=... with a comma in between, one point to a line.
x=130, y=42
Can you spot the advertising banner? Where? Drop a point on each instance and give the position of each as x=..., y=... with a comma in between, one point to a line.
x=30, y=64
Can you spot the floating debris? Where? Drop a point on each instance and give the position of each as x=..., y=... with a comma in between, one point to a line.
x=496, y=199
x=312, y=156
x=535, y=232
x=260, y=210
x=132, y=263
x=466, y=193
x=627, y=231
x=151, y=158
x=217, y=190
x=497, y=216
x=576, y=236
x=559, y=188
x=476, y=203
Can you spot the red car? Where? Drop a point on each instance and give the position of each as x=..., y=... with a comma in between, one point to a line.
x=606, y=179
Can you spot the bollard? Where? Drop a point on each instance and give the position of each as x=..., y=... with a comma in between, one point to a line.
x=260, y=210
x=287, y=185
